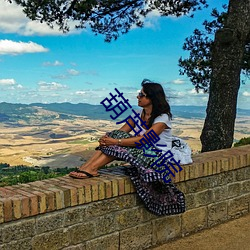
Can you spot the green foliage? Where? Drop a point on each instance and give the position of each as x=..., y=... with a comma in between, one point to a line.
x=23, y=174
x=108, y=17
x=198, y=66
x=242, y=142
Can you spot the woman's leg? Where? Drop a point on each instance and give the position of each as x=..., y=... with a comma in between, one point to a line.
x=92, y=159
x=98, y=160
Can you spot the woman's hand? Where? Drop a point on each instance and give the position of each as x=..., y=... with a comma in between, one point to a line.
x=107, y=141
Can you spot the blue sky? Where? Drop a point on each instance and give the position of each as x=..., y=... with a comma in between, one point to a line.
x=38, y=64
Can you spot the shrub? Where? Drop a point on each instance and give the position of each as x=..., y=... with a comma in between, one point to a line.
x=21, y=174
x=242, y=142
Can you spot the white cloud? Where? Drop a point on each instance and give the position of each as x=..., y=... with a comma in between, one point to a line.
x=73, y=72
x=15, y=48
x=51, y=86
x=246, y=93
x=19, y=86
x=55, y=63
x=7, y=82
x=80, y=92
x=13, y=20
x=178, y=81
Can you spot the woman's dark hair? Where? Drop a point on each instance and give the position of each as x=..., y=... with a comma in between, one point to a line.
x=155, y=93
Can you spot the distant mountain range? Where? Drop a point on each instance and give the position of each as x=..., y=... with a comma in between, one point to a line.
x=45, y=112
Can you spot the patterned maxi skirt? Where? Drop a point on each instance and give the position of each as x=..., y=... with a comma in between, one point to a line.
x=159, y=197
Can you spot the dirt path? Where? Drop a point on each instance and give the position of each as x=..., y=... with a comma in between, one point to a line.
x=233, y=235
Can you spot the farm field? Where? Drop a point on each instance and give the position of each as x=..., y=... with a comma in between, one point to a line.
x=62, y=143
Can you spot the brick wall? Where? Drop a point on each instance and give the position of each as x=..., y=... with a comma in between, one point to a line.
x=105, y=212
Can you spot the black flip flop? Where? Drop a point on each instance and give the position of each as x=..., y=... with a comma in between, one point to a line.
x=88, y=175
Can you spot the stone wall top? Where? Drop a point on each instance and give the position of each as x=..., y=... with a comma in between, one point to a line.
x=39, y=197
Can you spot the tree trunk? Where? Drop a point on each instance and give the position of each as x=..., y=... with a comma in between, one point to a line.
x=227, y=56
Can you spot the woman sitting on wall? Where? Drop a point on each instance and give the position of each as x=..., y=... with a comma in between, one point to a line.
x=148, y=169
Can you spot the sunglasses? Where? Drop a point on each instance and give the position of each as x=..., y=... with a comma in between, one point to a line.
x=140, y=94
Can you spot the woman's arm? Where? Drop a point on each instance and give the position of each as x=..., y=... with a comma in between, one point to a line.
x=130, y=142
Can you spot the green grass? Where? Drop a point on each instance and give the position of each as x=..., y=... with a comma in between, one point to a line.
x=23, y=174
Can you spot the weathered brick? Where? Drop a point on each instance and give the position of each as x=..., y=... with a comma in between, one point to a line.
x=121, y=185
x=224, y=178
x=59, y=197
x=220, y=193
x=243, y=160
x=73, y=194
x=50, y=201
x=41, y=201
x=49, y=222
x=7, y=209
x=80, y=190
x=245, y=186
x=127, y=185
x=107, y=242
x=17, y=212
x=248, y=159
x=224, y=165
x=24, y=244
x=129, y=217
x=181, y=176
x=201, y=170
x=196, y=185
x=95, y=192
x=25, y=204
x=106, y=206
x=188, y=172
x=33, y=201
x=205, y=169
x=210, y=168
x=87, y=193
x=234, y=189
x=66, y=196
x=81, y=232
x=74, y=215
x=238, y=206
x=101, y=191
x=240, y=174
x=138, y=237
x=190, y=202
x=105, y=224
x=51, y=240
x=215, y=168
x=217, y=213
x=247, y=171
x=18, y=230
x=1, y=211
x=194, y=220
x=230, y=163
x=115, y=188
x=204, y=197
x=166, y=228
x=108, y=188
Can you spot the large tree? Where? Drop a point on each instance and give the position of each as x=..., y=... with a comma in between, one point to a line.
x=113, y=17
x=227, y=56
x=198, y=67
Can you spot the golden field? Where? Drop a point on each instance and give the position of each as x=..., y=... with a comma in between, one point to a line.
x=33, y=145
